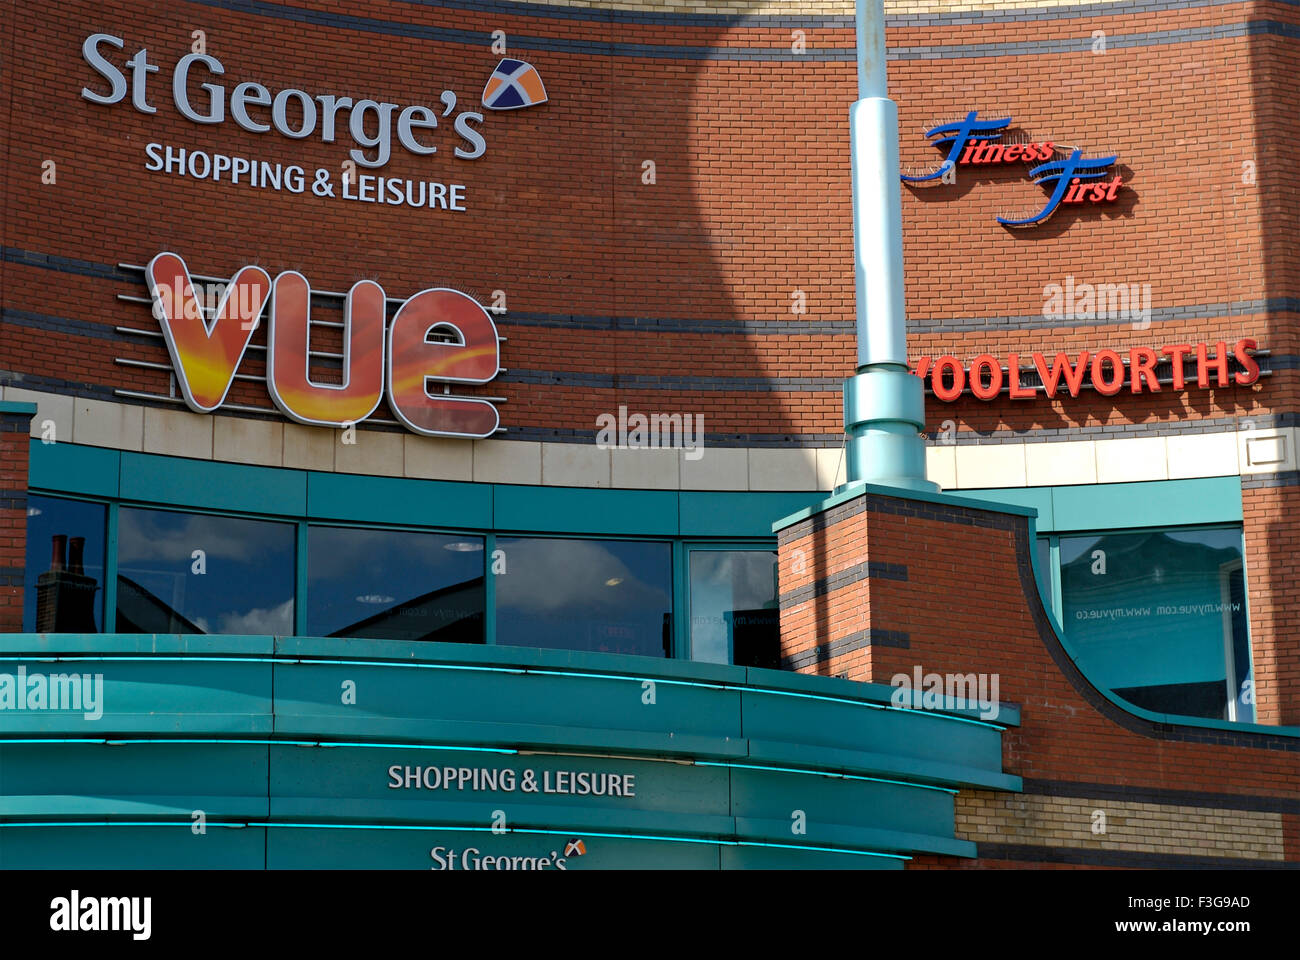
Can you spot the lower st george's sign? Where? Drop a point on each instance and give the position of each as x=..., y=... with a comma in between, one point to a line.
x=505, y=781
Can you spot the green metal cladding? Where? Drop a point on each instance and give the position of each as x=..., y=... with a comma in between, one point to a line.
x=729, y=767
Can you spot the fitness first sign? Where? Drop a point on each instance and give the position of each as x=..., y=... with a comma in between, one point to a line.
x=370, y=130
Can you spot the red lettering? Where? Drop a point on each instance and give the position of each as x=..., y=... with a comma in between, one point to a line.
x=413, y=361
x=1013, y=151
x=1142, y=365
x=1107, y=388
x=1017, y=391
x=985, y=361
x=966, y=154
x=1250, y=369
x=1113, y=190
x=1052, y=378
x=1220, y=363
x=205, y=356
x=1047, y=150
x=287, y=370
x=922, y=367
x=1176, y=353
x=945, y=393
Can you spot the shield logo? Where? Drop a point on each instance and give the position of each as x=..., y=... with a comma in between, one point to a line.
x=513, y=85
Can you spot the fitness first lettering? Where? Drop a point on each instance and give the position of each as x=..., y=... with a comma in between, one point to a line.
x=297, y=114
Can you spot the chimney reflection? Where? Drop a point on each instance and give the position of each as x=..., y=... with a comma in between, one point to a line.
x=65, y=596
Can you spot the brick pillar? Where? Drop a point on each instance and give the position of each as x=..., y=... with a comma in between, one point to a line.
x=827, y=583
x=1269, y=508
x=851, y=603
x=883, y=583
x=869, y=579
x=15, y=427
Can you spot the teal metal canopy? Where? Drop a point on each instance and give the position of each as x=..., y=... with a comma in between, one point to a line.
x=300, y=752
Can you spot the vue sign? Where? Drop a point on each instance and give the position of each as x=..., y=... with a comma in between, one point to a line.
x=207, y=353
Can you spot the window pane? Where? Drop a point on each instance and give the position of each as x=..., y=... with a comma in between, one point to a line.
x=614, y=596
x=394, y=585
x=1159, y=618
x=190, y=573
x=1044, y=548
x=63, y=582
x=734, y=614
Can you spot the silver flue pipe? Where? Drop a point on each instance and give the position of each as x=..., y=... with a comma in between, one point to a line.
x=884, y=405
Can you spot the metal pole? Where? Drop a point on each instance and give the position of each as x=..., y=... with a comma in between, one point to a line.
x=884, y=405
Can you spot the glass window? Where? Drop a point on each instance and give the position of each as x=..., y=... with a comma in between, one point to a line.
x=613, y=596
x=394, y=585
x=734, y=612
x=1044, y=548
x=192, y=573
x=1159, y=618
x=63, y=581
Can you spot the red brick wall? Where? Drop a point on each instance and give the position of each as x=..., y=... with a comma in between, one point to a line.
x=1273, y=581
x=957, y=581
x=14, y=428
x=751, y=201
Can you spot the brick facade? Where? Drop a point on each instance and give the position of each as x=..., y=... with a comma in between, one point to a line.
x=1273, y=552
x=722, y=288
x=13, y=515
x=953, y=589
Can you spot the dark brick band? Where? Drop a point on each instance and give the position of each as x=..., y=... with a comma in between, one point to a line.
x=948, y=513
x=822, y=520
x=810, y=21
x=15, y=422
x=1174, y=798
x=626, y=381
x=1286, y=478
x=782, y=53
x=825, y=652
x=686, y=18
x=13, y=500
x=1030, y=853
x=868, y=570
x=739, y=326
